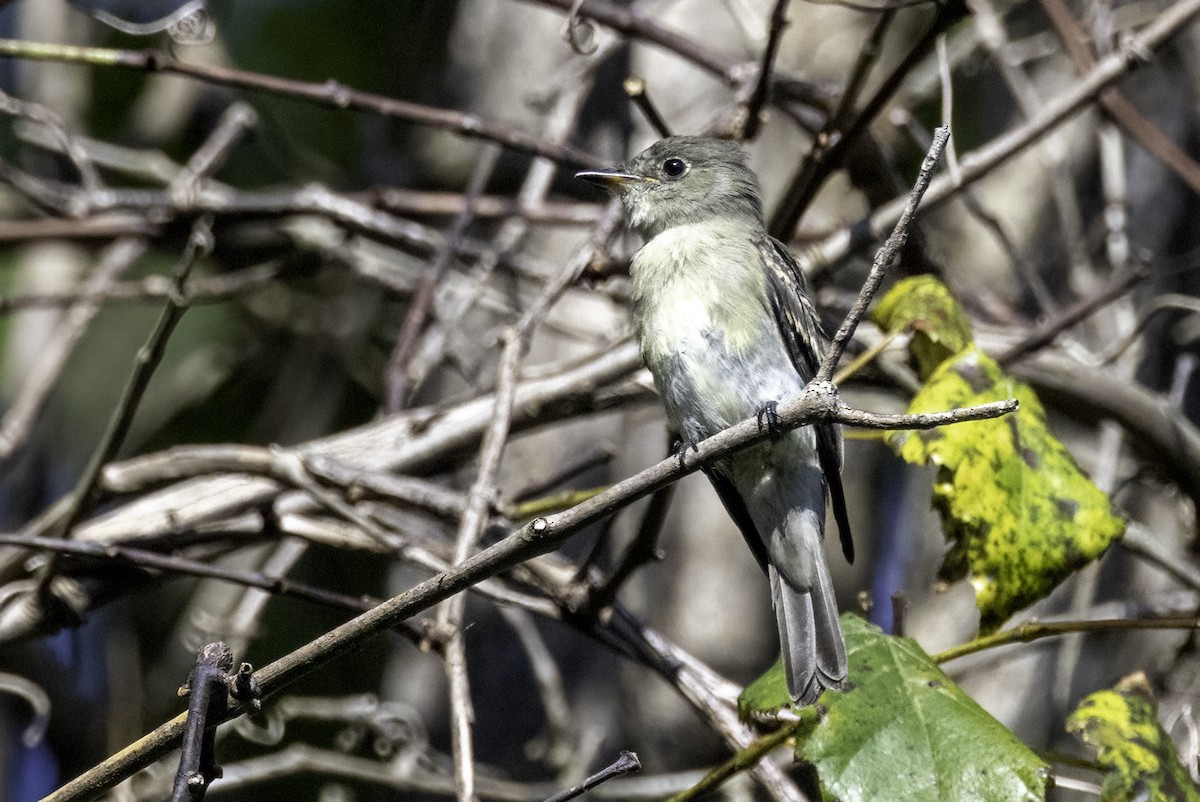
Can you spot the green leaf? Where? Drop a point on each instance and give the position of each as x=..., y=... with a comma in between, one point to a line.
x=1131, y=745
x=924, y=307
x=905, y=732
x=766, y=694
x=1019, y=512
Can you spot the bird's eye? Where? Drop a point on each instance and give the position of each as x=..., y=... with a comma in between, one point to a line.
x=674, y=168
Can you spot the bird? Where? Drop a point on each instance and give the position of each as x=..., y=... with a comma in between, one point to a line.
x=728, y=329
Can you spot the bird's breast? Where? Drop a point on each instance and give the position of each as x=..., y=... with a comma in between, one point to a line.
x=705, y=330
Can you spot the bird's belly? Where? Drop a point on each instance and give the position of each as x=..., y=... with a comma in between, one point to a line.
x=706, y=386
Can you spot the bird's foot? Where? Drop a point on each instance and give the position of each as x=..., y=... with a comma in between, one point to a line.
x=768, y=419
x=681, y=447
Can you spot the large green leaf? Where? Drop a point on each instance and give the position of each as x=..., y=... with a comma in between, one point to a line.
x=1132, y=746
x=1019, y=512
x=903, y=732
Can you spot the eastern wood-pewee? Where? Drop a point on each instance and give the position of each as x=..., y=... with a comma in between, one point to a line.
x=728, y=329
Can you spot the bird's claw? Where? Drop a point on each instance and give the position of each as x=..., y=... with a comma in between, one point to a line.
x=768, y=419
x=681, y=447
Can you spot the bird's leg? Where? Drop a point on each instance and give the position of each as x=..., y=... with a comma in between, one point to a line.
x=768, y=418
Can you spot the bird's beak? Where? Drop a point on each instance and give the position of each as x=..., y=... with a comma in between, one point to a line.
x=609, y=179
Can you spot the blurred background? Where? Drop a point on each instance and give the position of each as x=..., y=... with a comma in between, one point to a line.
x=357, y=263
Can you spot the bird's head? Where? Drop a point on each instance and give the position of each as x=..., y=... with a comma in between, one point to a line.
x=681, y=180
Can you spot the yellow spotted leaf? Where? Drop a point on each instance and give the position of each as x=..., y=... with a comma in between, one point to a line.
x=1019, y=513
x=1131, y=746
x=924, y=307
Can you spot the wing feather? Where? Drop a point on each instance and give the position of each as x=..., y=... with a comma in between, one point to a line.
x=800, y=327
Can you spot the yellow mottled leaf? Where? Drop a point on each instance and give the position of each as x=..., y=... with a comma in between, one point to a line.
x=1019, y=512
x=924, y=307
x=1140, y=760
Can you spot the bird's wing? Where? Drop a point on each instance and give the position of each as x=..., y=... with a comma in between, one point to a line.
x=800, y=327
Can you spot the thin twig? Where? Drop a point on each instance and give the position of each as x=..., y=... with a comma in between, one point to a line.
x=883, y=258
x=201, y=290
x=923, y=420
x=104, y=227
x=593, y=456
x=1137, y=540
x=635, y=88
x=175, y=565
x=1167, y=302
x=1046, y=331
x=419, y=307
x=427, y=202
x=627, y=763
x=601, y=237
x=208, y=158
x=450, y=614
x=149, y=357
x=752, y=110
x=642, y=551
x=86, y=493
x=864, y=62
x=745, y=759
x=1034, y=630
x=405, y=779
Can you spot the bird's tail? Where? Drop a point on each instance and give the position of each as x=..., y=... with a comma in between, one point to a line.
x=810, y=636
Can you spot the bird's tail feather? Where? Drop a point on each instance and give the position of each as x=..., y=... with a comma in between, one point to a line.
x=810, y=636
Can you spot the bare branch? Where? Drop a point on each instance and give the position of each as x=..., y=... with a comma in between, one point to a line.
x=208, y=693
x=149, y=357
x=1116, y=105
x=978, y=163
x=419, y=308
x=26, y=408
x=330, y=93
x=537, y=537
